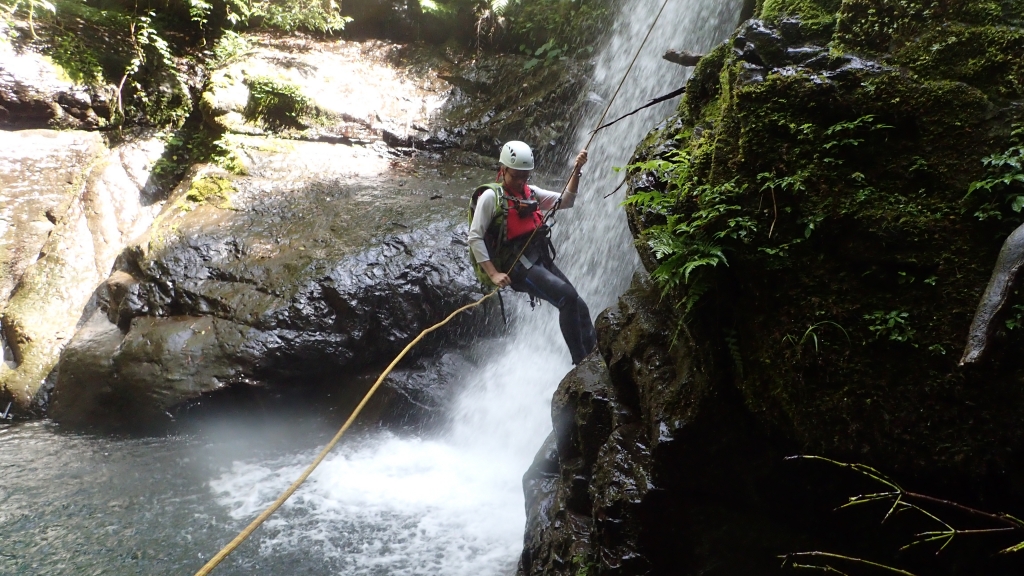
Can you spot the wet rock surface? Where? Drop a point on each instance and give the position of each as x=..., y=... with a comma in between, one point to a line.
x=547, y=97
x=649, y=453
x=322, y=263
x=420, y=398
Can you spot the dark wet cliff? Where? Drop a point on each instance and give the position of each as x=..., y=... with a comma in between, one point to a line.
x=821, y=218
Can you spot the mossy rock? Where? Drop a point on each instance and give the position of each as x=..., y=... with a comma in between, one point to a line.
x=277, y=104
x=130, y=64
x=215, y=190
x=852, y=256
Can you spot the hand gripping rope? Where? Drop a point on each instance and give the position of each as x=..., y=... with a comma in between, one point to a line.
x=220, y=556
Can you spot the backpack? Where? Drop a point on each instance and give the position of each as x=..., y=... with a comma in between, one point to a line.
x=495, y=236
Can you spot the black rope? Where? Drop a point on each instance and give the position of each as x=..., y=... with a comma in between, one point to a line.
x=501, y=300
x=657, y=100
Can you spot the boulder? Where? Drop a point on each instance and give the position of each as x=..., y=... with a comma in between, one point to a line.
x=70, y=206
x=319, y=265
x=651, y=461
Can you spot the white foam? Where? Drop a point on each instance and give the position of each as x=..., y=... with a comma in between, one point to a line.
x=415, y=506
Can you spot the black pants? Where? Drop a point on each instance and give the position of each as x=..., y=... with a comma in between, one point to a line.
x=545, y=281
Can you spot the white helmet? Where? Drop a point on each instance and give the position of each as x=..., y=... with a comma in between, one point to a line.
x=518, y=155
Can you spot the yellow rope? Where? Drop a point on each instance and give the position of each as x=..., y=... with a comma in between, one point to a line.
x=323, y=453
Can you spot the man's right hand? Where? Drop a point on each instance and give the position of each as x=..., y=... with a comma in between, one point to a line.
x=500, y=279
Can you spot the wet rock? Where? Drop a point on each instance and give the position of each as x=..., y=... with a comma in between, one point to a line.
x=622, y=480
x=546, y=97
x=802, y=54
x=98, y=200
x=650, y=451
x=557, y=539
x=237, y=284
x=682, y=57
x=574, y=495
x=419, y=398
x=764, y=41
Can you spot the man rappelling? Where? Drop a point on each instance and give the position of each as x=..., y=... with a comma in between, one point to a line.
x=510, y=242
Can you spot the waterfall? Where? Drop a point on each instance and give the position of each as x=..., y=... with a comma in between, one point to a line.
x=454, y=505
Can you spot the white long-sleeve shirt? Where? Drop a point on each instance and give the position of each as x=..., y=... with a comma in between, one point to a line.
x=485, y=206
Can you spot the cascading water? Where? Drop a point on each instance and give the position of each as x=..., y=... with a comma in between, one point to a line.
x=454, y=505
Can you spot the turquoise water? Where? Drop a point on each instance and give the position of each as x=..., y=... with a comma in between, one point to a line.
x=91, y=505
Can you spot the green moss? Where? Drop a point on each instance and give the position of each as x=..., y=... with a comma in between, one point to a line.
x=878, y=26
x=195, y=143
x=838, y=208
x=806, y=10
x=571, y=26
x=987, y=57
x=706, y=82
x=213, y=190
x=79, y=61
x=276, y=104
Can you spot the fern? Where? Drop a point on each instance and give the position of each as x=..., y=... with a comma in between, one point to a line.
x=699, y=216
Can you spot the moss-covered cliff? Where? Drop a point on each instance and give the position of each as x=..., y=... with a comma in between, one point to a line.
x=821, y=216
x=816, y=192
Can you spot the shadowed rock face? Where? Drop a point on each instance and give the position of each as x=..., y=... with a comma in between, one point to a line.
x=323, y=262
x=648, y=467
